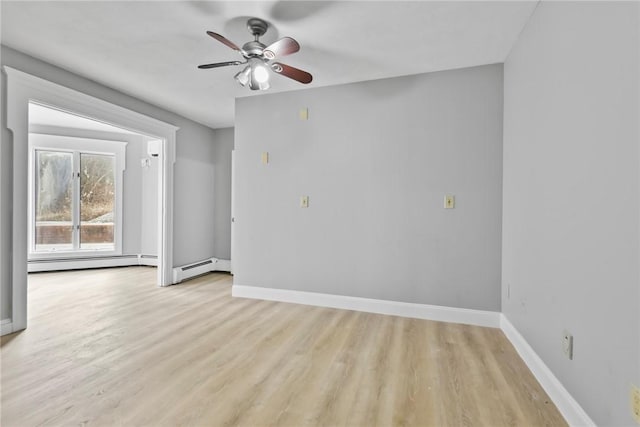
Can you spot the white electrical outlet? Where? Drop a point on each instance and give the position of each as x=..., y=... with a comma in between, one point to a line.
x=304, y=201
x=264, y=158
x=567, y=345
x=449, y=201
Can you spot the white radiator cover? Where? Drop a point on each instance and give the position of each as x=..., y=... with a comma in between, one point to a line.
x=186, y=272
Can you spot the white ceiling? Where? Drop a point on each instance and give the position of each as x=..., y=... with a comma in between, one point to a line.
x=150, y=50
x=45, y=116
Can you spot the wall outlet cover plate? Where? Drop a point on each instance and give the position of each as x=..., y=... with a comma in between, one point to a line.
x=635, y=403
x=449, y=201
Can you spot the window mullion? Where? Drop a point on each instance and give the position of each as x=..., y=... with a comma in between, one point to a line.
x=76, y=200
x=33, y=195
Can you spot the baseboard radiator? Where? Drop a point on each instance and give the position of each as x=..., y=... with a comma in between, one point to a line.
x=81, y=263
x=148, y=260
x=180, y=274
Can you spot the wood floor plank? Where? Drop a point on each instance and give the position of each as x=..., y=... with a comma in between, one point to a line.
x=107, y=347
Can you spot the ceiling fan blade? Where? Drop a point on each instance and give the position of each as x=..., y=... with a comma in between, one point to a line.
x=224, y=40
x=282, y=47
x=292, y=72
x=219, y=64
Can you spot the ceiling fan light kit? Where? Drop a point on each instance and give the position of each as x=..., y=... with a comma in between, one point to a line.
x=255, y=74
x=258, y=58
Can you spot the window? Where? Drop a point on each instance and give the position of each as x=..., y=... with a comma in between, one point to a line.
x=76, y=200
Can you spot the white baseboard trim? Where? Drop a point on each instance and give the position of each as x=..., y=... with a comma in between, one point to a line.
x=6, y=327
x=566, y=404
x=393, y=308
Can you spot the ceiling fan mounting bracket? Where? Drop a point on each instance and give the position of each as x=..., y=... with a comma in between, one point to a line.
x=257, y=27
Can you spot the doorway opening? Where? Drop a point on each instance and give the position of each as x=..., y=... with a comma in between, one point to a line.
x=23, y=89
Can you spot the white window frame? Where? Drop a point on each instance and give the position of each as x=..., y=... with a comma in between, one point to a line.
x=81, y=146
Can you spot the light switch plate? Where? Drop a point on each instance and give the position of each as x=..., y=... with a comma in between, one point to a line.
x=567, y=344
x=304, y=114
x=449, y=201
x=304, y=201
x=265, y=158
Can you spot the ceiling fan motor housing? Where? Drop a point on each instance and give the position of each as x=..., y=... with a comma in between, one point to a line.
x=253, y=48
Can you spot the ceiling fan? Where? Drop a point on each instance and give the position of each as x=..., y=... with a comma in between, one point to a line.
x=259, y=57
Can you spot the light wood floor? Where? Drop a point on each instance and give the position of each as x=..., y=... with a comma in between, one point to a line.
x=107, y=347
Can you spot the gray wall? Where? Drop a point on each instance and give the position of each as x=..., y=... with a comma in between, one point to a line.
x=149, y=203
x=222, y=189
x=376, y=159
x=570, y=248
x=194, y=198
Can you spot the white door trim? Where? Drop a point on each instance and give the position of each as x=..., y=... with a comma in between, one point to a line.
x=233, y=210
x=22, y=88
